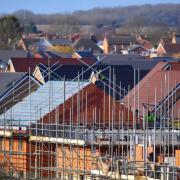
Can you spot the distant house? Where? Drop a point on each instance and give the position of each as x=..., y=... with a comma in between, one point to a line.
x=168, y=49
x=29, y=43
x=74, y=37
x=171, y=39
x=136, y=49
x=145, y=42
x=86, y=44
x=116, y=44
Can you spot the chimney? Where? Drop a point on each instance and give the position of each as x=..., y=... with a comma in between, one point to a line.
x=174, y=38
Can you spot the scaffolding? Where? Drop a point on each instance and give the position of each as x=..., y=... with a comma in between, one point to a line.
x=77, y=130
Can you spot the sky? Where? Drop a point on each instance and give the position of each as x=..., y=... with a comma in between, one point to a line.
x=66, y=6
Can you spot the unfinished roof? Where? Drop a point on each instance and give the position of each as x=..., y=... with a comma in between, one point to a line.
x=15, y=87
x=124, y=74
x=37, y=105
x=66, y=71
x=7, y=80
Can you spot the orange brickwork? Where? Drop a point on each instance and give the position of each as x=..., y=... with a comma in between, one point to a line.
x=177, y=157
x=140, y=152
x=77, y=158
x=13, y=155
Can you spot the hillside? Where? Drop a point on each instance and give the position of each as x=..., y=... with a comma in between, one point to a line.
x=167, y=14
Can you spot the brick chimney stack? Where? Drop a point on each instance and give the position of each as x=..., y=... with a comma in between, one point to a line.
x=174, y=38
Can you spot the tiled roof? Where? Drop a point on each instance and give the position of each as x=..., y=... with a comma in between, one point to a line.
x=61, y=41
x=172, y=48
x=54, y=54
x=92, y=99
x=26, y=64
x=176, y=109
x=86, y=44
x=134, y=47
x=175, y=65
x=8, y=79
x=136, y=61
x=121, y=40
x=163, y=81
x=86, y=54
x=142, y=83
x=5, y=55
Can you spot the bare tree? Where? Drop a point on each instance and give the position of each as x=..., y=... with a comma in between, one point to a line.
x=135, y=25
x=65, y=29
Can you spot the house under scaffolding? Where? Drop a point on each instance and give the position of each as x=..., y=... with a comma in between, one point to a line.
x=77, y=130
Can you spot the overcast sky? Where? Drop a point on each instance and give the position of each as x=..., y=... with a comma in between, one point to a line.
x=65, y=6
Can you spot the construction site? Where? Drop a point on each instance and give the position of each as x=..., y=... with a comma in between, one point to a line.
x=90, y=127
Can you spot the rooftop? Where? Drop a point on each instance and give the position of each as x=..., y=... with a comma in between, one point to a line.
x=7, y=80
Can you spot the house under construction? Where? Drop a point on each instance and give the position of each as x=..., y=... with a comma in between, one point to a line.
x=93, y=128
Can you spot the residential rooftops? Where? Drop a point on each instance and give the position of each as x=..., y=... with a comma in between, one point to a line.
x=121, y=40
x=86, y=44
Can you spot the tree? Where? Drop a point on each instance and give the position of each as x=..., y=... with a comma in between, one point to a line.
x=65, y=29
x=10, y=32
x=135, y=25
